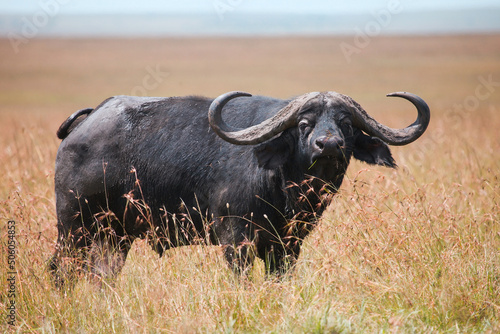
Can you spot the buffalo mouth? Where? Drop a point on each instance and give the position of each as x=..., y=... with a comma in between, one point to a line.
x=327, y=162
x=328, y=169
x=334, y=159
x=324, y=158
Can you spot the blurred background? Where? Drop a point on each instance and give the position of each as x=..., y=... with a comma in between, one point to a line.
x=244, y=17
x=60, y=55
x=432, y=225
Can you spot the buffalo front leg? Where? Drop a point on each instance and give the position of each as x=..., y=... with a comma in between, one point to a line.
x=236, y=239
x=279, y=256
x=239, y=257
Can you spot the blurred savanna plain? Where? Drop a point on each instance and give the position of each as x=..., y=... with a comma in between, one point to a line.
x=416, y=249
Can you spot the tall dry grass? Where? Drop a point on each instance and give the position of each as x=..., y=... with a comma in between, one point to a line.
x=415, y=249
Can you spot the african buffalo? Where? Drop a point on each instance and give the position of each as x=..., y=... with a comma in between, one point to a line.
x=254, y=183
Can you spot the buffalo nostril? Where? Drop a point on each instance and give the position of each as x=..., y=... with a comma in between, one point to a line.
x=320, y=143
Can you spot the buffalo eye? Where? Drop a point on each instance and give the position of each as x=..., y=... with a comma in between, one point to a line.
x=304, y=126
x=346, y=127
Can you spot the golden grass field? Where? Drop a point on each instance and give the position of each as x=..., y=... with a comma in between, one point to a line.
x=415, y=249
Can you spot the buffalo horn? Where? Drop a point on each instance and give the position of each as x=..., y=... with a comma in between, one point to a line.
x=397, y=137
x=285, y=118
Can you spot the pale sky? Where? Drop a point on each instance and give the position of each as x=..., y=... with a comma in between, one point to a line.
x=248, y=6
x=236, y=17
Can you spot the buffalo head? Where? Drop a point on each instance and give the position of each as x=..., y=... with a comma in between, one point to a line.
x=319, y=132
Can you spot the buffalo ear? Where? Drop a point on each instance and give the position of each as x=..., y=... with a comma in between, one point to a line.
x=274, y=153
x=373, y=151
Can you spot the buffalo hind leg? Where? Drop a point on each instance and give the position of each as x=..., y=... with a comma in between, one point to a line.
x=69, y=259
x=107, y=255
x=103, y=257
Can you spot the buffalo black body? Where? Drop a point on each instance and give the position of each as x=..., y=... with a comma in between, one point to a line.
x=139, y=167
